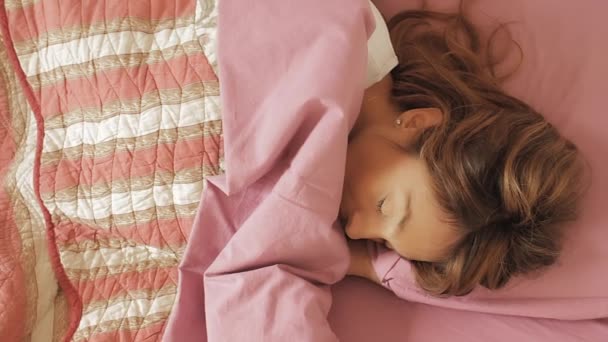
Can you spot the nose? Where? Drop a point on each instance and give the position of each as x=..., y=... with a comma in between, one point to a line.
x=358, y=227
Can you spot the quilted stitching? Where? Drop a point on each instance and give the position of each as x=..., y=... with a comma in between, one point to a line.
x=130, y=103
x=27, y=284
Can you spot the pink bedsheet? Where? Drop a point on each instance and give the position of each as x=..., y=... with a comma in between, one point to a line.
x=263, y=249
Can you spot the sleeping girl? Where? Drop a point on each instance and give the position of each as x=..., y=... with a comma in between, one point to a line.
x=471, y=185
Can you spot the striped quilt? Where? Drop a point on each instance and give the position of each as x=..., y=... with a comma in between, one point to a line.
x=109, y=124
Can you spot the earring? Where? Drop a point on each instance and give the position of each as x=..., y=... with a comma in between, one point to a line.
x=398, y=122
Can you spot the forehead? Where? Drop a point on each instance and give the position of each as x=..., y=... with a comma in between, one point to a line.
x=428, y=235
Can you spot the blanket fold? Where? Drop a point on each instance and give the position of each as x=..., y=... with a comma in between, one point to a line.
x=265, y=246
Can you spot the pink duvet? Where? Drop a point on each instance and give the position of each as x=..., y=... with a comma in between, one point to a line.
x=264, y=248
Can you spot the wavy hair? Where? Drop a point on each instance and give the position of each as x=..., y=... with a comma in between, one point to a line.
x=503, y=174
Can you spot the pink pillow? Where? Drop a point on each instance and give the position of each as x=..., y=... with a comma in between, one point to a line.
x=564, y=75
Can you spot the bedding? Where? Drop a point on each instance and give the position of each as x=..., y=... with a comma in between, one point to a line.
x=24, y=270
x=111, y=122
x=287, y=112
x=260, y=276
x=381, y=58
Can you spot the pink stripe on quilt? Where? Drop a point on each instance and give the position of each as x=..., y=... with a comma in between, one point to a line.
x=128, y=164
x=48, y=15
x=123, y=84
x=124, y=283
x=156, y=233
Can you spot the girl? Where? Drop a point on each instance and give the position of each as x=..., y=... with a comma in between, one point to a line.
x=470, y=184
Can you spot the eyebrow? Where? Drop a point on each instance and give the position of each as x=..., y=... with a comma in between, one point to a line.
x=407, y=213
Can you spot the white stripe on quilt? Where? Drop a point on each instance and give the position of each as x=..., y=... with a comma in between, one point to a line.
x=110, y=44
x=120, y=126
x=124, y=309
x=107, y=257
x=127, y=202
x=205, y=21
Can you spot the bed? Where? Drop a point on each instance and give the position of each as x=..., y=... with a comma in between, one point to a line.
x=111, y=121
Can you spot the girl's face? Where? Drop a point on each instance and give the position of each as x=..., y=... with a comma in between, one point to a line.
x=388, y=195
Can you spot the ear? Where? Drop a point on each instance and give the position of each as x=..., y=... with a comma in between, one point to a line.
x=420, y=118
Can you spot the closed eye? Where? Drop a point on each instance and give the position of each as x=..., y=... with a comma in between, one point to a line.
x=379, y=206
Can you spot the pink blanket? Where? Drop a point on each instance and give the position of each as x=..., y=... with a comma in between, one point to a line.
x=289, y=99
